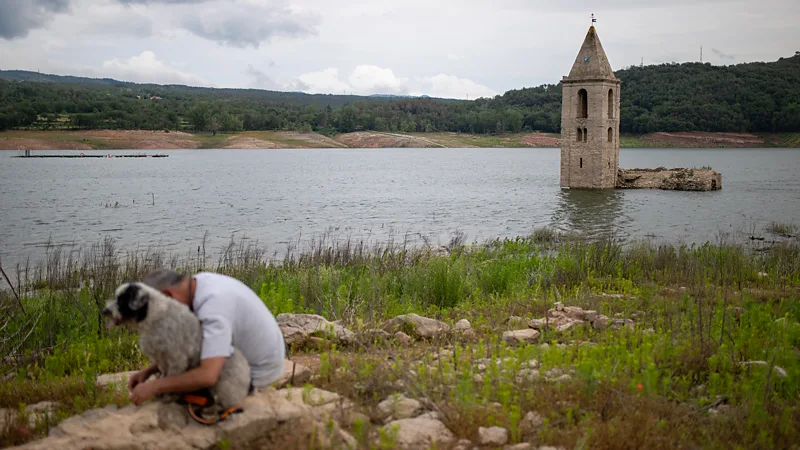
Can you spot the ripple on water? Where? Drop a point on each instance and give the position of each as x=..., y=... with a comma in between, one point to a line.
x=275, y=197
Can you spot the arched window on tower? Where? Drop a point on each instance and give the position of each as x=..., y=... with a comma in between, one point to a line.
x=580, y=135
x=583, y=104
x=610, y=103
x=610, y=135
x=585, y=135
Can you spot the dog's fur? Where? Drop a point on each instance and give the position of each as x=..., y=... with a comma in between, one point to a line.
x=171, y=335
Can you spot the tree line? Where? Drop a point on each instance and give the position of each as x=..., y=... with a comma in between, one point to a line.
x=752, y=97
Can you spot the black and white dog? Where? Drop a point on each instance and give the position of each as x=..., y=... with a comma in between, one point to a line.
x=171, y=335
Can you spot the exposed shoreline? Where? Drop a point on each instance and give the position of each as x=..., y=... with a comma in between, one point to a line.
x=175, y=140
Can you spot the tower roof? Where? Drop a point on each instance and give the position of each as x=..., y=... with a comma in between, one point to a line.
x=591, y=61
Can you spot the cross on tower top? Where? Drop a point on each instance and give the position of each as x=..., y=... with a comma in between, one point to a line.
x=593, y=19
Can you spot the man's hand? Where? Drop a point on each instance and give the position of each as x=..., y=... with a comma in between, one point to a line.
x=143, y=392
x=141, y=376
x=198, y=378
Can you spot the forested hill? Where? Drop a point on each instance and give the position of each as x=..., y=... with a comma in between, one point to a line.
x=753, y=97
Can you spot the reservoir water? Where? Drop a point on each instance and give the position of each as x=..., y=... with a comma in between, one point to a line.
x=282, y=196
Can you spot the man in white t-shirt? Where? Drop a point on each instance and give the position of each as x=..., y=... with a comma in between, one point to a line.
x=231, y=315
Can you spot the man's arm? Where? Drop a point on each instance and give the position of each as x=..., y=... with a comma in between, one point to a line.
x=216, y=348
x=204, y=376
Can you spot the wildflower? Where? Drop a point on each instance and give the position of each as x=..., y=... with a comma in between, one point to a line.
x=639, y=386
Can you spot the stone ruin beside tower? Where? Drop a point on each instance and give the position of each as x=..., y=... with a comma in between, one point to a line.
x=590, y=118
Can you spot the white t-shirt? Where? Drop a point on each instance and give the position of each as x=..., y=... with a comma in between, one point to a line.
x=233, y=315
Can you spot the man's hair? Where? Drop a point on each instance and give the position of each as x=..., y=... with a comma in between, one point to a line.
x=161, y=279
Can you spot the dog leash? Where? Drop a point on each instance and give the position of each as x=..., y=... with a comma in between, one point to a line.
x=197, y=402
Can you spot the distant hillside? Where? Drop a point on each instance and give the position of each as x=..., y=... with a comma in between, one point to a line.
x=753, y=97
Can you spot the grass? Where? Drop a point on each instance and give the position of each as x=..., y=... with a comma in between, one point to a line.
x=782, y=229
x=700, y=311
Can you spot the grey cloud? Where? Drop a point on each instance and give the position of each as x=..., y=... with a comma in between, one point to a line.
x=245, y=25
x=723, y=56
x=168, y=2
x=261, y=79
x=19, y=17
x=298, y=86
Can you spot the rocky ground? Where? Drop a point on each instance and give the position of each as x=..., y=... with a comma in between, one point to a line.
x=150, y=140
x=305, y=417
x=295, y=414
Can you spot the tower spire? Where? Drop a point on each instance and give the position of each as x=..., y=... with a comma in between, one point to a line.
x=591, y=61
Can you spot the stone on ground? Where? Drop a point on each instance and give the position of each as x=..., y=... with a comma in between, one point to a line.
x=417, y=326
x=522, y=446
x=119, y=380
x=463, y=325
x=301, y=374
x=419, y=434
x=269, y=420
x=400, y=407
x=297, y=328
x=531, y=423
x=600, y=322
x=36, y=413
x=495, y=436
x=527, y=336
x=402, y=338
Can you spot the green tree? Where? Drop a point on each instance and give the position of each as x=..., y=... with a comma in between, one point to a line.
x=199, y=116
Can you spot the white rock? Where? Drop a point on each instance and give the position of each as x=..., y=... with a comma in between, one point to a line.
x=166, y=425
x=575, y=312
x=421, y=327
x=432, y=415
x=537, y=324
x=516, y=322
x=527, y=336
x=463, y=325
x=590, y=315
x=297, y=328
x=492, y=436
x=569, y=325
x=560, y=379
x=400, y=407
x=402, y=338
x=311, y=397
x=558, y=306
x=419, y=434
x=119, y=380
x=600, y=322
x=294, y=374
x=527, y=375
x=531, y=423
x=522, y=446
x=463, y=444
x=616, y=323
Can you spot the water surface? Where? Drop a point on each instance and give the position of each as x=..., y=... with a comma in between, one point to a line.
x=280, y=196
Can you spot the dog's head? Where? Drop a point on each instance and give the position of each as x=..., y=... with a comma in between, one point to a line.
x=129, y=305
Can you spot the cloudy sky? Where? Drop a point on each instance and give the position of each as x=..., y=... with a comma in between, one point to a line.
x=443, y=48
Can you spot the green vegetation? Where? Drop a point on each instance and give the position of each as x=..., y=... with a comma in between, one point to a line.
x=753, y=97
x=782, y=229
x=700, y=312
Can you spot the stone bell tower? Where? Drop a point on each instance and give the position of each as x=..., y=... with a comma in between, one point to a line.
x=590, y=120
